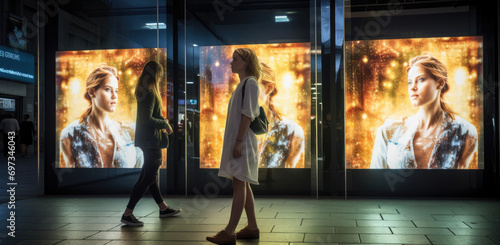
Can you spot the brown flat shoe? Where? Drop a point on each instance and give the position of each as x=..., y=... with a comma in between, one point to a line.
x=246, y=233
x=222, y=238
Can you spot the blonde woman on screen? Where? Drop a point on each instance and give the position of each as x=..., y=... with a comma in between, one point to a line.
x=96, y=141
x=434, y=138
x=284, y=144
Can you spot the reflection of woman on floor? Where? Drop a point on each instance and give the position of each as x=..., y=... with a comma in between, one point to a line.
x=284, y=144
x=96, y=141
x=433, y=138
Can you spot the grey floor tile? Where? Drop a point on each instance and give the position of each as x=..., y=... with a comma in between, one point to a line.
x=483, y=225
x=155, y=243
x=475, y=232
x=93, y=220
x=281, y=237
x=444, y=224
x=328, y=222
x=495, y=239
x=88, y=227
x=174, y=236
x=421, y=231
x=258, y=242
x=329, y=238
x=384, y=223
x=94, y=214
x=460, y=240
x=116, y=235
x=37, y=242
x=424, y=217
x=83, y=242
x=406, y=239
x=302, y=229
x=288, y=215
x=373, y=216
x=363, y=230
x=465, y=218
x=44, y=227
x=60, y=234
x=493, y=218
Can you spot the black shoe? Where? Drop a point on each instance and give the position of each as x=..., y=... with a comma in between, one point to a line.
x=169, y=212
x=131, y=220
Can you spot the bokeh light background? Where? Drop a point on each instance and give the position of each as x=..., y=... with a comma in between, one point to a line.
x=72, y=69
x=376, y=87
x=292, y=64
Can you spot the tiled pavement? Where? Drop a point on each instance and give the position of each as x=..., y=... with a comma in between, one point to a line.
x=95, y=220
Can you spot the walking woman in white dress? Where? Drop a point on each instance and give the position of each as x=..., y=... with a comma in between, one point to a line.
x=239, y=160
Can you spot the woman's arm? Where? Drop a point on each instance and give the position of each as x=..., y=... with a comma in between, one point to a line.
x=469, y=150
x=379, y=155
x=238, y=146
x=295, y=158
x=65, y=146
x=145, y=107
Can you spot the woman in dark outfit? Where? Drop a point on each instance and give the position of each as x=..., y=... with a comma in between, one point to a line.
x=149, y=125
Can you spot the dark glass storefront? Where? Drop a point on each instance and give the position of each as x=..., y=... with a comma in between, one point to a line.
x=337, y=69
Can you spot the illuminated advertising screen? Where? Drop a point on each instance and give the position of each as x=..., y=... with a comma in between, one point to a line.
x=81, y=142
x=414, y=103
x=287, y=69
x=17, y=65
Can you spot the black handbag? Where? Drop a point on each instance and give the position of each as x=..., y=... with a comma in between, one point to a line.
x=260, y=124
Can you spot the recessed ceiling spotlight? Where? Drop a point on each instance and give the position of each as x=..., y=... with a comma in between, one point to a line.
x=281, y=18
x=153, y=26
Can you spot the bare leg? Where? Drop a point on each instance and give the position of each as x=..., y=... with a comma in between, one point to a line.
x=250, y=208
x=239, y=195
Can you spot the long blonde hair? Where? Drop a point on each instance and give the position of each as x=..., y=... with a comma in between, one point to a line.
x=94, y=81
x=269, y=78
x=437, y=70
x=149, y=80
x=253, y=65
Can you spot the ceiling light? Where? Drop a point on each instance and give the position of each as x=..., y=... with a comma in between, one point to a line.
x=152, y=26
x=281, y=18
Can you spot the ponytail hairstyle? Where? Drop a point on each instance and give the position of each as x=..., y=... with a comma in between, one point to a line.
x=437, y=70
x=253, y=65
x=149, y=80
x=269, y=78
x=94, y=81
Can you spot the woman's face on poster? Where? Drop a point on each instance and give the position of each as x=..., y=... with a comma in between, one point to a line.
x=422, y=88
x=106, y=96
x=263, y=92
